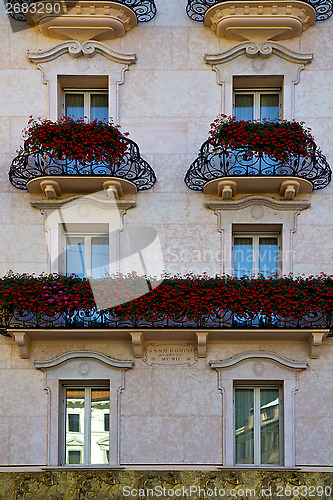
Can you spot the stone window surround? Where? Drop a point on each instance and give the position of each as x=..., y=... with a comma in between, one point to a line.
x=257, y=211
x=73, y=59
x=82, y=367
x=255, y=367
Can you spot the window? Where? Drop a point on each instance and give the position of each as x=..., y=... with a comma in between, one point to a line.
x=258, y=408
x=87, y=254
x=257, y=97
x=257, y=414
x=255, y=254
x=86, y=410
x=257, y=104
x=93, y=104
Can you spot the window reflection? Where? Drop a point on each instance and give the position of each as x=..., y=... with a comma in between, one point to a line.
x=87, y=424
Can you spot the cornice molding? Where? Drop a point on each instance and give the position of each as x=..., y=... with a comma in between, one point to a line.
x=70, y=356
x=76, y=49
x=248, y=356
x=249, y=201
x=253, y=50
x=107, y=203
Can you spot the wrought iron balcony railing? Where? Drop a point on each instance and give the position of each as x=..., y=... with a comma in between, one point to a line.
x=145, y=10
x=107, y=319
x=196, y=9
x=130, y=167
x=215, y=161
x=222, y=302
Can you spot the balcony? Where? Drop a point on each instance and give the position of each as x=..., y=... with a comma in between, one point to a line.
x=259, y=21
x=179, y=308
x=83, y=19
x=198, y=9
x=273, y=158
x=113, y=162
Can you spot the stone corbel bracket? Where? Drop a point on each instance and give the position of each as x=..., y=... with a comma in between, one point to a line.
x=316, y=341
x=23, y=343
x=76, y=49
x=254, y=50
x=138, y=343
x=202, y=344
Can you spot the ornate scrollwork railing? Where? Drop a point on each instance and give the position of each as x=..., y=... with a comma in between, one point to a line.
x=215, y=161
x=130, y=167
x=196, y=9
x=107, y=319
x=144, y=10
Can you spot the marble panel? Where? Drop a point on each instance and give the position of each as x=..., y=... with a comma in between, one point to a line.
x=203, y=439
x=5, y=356
x=171, y=13
x=136, y=97
x=170, y=171
x=187, y=391
x=185, y=93
x=20, y=43
x=137, y=399
x=29, y=248
x=22, y=393
x=152, y=46
x=152, y=440
x=4, y=44
x=28, y=439
x=5, y=424
x=201, y=40
x=314, y=101
x=312, y=437
x=5, y=135
x=158, y=135
x=179, y=48
x=318, y=43
x=28, y=99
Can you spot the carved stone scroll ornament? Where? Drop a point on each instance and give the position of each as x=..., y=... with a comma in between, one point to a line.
x=76, y=49
x=254, y=50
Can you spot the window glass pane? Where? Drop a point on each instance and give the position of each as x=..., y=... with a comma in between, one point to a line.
x=269, y=426
x=74, y=417
x=269, y=106
x=244, y=426
x=74, y=457
x=242, y=256
x=268, y=256
x=74, y=422
x=99, y=107
x=100, y=406
x=244, y=107
x=74, y=104
x=99, y=256
x=75, y=256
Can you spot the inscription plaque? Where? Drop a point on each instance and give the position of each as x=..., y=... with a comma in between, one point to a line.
x=170, y=355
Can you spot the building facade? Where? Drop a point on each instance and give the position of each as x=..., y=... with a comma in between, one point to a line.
x=231, y=394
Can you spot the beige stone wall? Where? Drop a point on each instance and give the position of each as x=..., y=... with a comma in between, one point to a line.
x=168, y=414
x=167, y=101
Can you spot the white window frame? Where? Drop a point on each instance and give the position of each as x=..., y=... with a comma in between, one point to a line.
x=259, y=368
x=255, y=248
x=86, y=99
x=87, y=237
x=82, y=368
x=257, y=93
x=257, y=422
x=86, y=447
